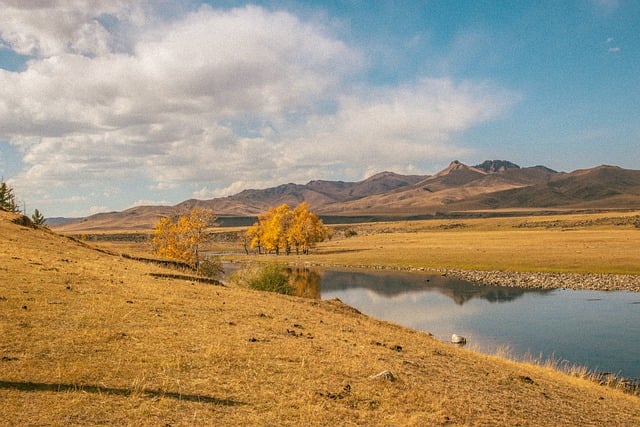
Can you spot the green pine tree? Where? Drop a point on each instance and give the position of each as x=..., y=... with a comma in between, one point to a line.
x=37, y=218
x=7, y=198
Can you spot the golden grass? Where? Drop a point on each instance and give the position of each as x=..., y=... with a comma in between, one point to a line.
x=587, y=243
x=584, y=251
x=89, y=338
x=576, y=243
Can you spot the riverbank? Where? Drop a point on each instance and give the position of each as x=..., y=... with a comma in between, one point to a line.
x=572, y=245
x=577, y=281
x=577, y=251
x=512, y=279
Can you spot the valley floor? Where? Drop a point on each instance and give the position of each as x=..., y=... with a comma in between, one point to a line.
x=585, y=251
x=92, y=338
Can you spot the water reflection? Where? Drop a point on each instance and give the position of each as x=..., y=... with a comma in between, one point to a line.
x=306, y=282
x=390, y=284
x=587, y=328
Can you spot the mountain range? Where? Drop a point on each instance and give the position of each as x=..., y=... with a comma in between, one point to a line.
x=494, y=186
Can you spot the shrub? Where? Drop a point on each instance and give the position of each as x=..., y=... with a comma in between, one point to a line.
x=210, y=267
x=272, y=278
x=350, y=233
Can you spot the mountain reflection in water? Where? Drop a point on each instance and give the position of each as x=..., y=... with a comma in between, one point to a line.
x=588, y=328
x=390, y=284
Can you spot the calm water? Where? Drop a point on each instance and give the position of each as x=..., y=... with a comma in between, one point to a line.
x=598, y=329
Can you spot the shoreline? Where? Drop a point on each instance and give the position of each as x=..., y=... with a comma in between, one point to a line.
x=514, y=279
x=542, y=280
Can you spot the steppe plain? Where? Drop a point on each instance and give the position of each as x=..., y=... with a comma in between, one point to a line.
x=91, y=337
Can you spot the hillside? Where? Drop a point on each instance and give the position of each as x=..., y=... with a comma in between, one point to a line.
x=600, y=187
x=446, y=191
x=490, y=186
x=93, y=338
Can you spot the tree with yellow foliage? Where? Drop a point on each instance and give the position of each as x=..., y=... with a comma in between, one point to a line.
x=179, y=238
x=282, y=229
x=306, y=229
x=270, y=230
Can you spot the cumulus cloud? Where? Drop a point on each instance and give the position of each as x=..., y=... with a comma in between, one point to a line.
x=398, y=126
x=44, y=29
x=218, y=100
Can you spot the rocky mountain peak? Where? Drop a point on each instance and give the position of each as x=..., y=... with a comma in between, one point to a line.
x=457, y=167
x=493, y=166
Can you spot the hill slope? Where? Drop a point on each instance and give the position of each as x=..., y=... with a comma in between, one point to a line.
x=600, y=187
x=491, y=185
x=444, y=191
x=92, y=338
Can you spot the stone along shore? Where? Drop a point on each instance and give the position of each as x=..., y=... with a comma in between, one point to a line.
x=597, y=282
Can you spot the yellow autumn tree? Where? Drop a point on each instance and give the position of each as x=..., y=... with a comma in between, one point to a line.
x=254, y=238
x=282, y=230
x=179, y=238
x=306, y=229
x=270, y=230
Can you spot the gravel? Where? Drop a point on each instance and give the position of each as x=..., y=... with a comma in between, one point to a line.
x=598, y=282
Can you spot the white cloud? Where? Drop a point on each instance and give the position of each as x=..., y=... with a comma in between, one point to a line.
x=50, y=28
x=398, y=127
x=149, y=202
x=614, y=49
x=219, y=100
x=97, y=209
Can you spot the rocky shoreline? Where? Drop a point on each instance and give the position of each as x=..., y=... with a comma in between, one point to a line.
x=515, y=279
x=578, y=281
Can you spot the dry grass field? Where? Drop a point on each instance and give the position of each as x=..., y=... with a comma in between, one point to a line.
x=91, y=338
x=585, y=243
x=574, y=243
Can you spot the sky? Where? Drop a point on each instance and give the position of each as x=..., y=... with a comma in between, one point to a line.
x=105, y=105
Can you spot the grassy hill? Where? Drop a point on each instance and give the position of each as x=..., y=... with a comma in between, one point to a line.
x=94, y=338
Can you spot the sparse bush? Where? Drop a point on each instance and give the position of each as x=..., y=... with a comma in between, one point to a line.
x=241, y=277
x=24, y=221
x=272, y=278
x=350, y=233
x=210, y=267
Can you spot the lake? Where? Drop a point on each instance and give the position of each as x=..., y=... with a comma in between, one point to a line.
x=600, y=330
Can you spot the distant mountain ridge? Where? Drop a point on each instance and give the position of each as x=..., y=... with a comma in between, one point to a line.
x=496, y=166
x=489, y=186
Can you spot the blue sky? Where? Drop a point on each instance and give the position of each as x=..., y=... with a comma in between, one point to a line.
x=107, y=105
